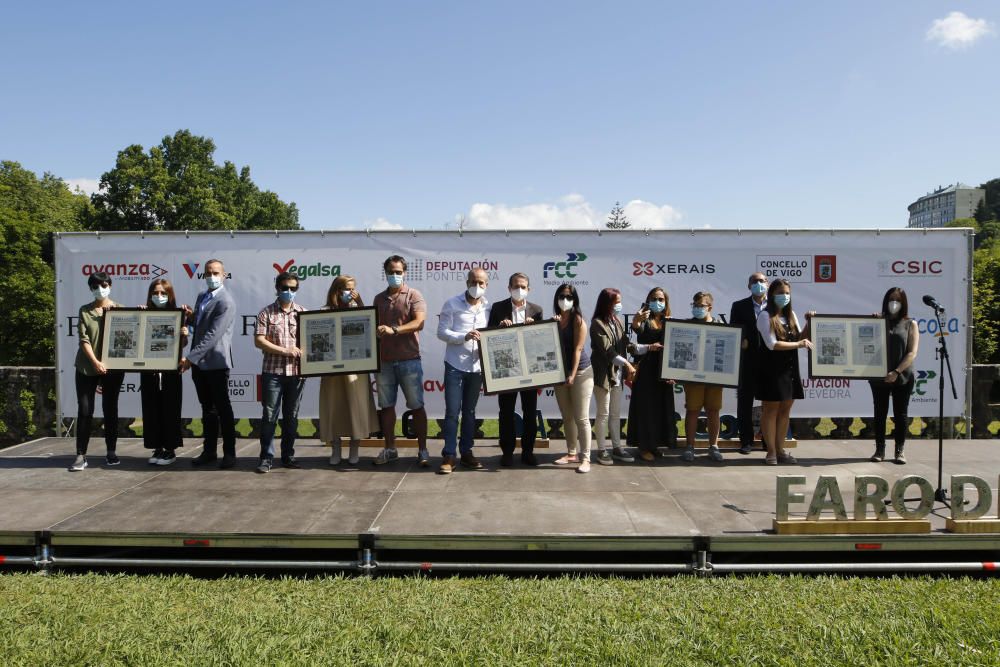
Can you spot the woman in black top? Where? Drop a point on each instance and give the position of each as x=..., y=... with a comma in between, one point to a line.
x=898, y=382
x=651, y=420
x=161, y=392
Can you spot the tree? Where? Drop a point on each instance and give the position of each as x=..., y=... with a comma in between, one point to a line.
x=31, y=209
x=617, y=219
x=991, y=202
x=178, y=186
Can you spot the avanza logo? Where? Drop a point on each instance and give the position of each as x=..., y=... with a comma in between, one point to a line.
x=305, y=271
x=136, y=271
x=565, y=269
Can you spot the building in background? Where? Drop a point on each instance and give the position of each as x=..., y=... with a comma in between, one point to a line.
x=938, y=208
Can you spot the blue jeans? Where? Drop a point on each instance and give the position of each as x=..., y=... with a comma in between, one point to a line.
x=409, y=375
x=461, y=394
x=284, y=391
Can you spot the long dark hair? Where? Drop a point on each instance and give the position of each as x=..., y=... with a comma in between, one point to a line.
x=576, y=305
x=605, y=308
x=656, y=319
x=904, y=305
x=167, y=287
x=776, y=313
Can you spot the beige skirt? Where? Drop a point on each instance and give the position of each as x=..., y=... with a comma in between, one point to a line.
x=346, y=408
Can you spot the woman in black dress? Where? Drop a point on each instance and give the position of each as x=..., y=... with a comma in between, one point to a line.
x=651, y=421
x=161, y=392
x=778, y=380
x=898, y=383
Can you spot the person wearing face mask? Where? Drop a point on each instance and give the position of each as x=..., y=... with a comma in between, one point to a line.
x=162, y=392
x=210, y=359
x=276, y=336
x=346, y=408
x=574, y=396
x=744, y=313
x=778, y=381
x=651, y=421
x=517, y=310
x=401, y=314
x=458, y=324
x=898, y=383
x=699, y=396
x=91, y=374
x=608, y=347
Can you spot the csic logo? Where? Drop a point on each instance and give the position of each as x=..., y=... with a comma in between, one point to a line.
x=565, y=269
x=192, y=271
x=799, y=268
x=651, y=268
x=909, y=268
x=305, y=271
x=139, y=271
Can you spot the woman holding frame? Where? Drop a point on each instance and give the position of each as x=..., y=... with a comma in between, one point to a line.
x=651, y=411
x=574, y=396
x=346, y=406
x=778, y=381
x=161, y=391
x=904, y=338
x=608, y=347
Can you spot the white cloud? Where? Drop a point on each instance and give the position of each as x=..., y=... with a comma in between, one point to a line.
x=380, y=224
x=958, y=31
x=570, y=212
x=87, y=186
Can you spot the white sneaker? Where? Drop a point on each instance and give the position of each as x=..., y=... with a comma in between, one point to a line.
x=335, y=454
x=353, y=457
x=79, y=463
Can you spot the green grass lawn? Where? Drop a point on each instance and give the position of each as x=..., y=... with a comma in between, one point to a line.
x=119, y=619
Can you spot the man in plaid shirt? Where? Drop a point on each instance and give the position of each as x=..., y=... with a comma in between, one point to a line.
x=275, y=335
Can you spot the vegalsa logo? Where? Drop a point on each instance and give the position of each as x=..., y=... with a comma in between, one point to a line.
x=138, y=271
x=651, y=268
x=903, y=268
x=191, y=269
x=305, y=271
x=566, y=269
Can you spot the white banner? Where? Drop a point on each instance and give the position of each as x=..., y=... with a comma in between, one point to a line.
x=843, y=272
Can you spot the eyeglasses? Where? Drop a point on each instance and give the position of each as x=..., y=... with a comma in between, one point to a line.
x=289, y=288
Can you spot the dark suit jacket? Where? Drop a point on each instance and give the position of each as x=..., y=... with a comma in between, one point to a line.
x=502, y=310
x=742, y=313
x=211, y=344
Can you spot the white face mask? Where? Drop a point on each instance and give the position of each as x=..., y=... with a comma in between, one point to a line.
x=213, y=282
x=101, y=293
x=476, y=291
x=894, y=307
x=159, y=300
x=519, y=294
x=566, y=305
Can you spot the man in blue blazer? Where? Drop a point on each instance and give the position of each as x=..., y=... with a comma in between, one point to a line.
x=210, y=358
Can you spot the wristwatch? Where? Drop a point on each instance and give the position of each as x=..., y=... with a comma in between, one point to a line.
x=395, y=330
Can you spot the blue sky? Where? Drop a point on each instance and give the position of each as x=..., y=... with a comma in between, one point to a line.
x=721, y=114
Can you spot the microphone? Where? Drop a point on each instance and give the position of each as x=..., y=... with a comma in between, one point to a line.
x=932, y=302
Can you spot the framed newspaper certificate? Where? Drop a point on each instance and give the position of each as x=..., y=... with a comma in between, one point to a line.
x=848, y=346
x=335, y=342
x=139, y=339
x=703, y=352
x=521, y=356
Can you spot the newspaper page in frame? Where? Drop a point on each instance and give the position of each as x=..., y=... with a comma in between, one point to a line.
x=522, y=356
x=702, y=352
x=355, y=337
x=682, y=352
x=866, y=345
x=122, y=335
x=504, y=356
x=336, y=342
x=320, y=339
x=851, y=346
x=830, y=339
x=137, y=339
x=160, y=336
x=720, y=351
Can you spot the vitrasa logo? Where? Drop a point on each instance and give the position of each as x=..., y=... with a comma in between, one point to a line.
x=121, y=271
x=305, y=271
x=192, y=272
x=652, y=268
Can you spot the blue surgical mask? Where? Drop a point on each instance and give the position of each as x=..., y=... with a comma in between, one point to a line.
x=286, y=296
x=698, y=312
x=346, y=296
x=657, y=306
x=618, y=309
x=758, y=289
x=159, y=300
x=394, y=280
x=213, y=282
x=782, y=300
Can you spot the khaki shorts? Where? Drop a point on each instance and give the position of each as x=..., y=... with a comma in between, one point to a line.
x=699, y=396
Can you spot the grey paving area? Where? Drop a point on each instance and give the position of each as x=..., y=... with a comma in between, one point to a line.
x=664, y=498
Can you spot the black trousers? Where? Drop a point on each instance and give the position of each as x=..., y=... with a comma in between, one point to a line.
x=744, y=399
x=216, y=410
x=161, y=410
x=86, y=391
x=529, y=408
x=900, y=395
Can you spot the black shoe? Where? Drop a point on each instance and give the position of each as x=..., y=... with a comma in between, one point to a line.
x=900, y=456
x=264, y=466
x=746, y=448
x=291, y=463
x=203, y=459
x=112, y=459
x=529, y=459
x=879, y=454
x=507, y=460
x=228, y=461
x=167, y=457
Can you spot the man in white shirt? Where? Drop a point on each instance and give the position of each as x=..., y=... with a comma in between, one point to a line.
x=458, y=325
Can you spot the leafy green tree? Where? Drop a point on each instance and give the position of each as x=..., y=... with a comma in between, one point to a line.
x=31, y=209
x=986, y=305
x=989, y=208
x=617, y=218
x=177, y=185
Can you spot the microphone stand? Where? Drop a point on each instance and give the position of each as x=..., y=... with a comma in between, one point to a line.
x=941, y=353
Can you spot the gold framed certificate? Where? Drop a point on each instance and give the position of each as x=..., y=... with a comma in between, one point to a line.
x=141, y=339
x=521, y=356
x=702, y=352
x=335, y=342
x=848, y=346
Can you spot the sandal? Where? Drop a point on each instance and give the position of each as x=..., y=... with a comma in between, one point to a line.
x=647, y=456
x=771, y=460
x=567, y=460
